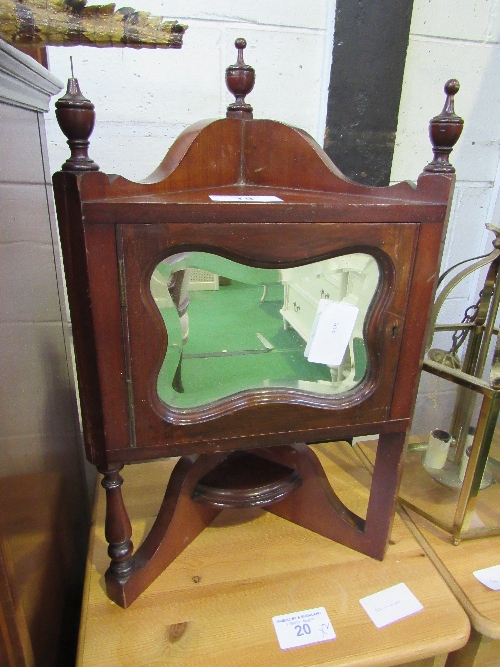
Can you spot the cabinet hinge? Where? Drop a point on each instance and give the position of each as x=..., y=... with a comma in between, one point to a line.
x=121, y=281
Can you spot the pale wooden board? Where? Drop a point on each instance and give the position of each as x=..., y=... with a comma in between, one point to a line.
x=249, y=566
x=456, y=564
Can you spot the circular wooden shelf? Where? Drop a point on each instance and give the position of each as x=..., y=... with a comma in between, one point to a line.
x=246, y=480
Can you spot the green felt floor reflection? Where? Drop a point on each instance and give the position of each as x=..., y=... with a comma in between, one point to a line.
x=228, y=320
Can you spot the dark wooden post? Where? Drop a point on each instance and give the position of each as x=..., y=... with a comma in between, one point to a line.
x=118, y=530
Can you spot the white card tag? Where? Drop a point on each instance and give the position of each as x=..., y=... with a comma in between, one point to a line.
x=261, y=199
x=303, y=627
x=323, y=303
x=331, y=332
x=489, y=576
x=391, y=604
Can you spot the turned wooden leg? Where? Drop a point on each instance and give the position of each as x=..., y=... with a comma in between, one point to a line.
x=118, y=530
x=179, y=521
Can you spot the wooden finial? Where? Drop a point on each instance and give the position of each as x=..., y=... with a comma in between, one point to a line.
x=444, y=132
x=240, y=79
x=76, y=116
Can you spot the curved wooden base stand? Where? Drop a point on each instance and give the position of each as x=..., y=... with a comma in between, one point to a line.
x=288, y=481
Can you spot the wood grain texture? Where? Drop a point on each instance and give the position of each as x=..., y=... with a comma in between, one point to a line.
x=456, y=564
x=218, y=597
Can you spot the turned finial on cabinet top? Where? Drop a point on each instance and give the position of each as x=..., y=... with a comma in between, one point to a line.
x=240, y=80
x=444, y=132
x=76, y=117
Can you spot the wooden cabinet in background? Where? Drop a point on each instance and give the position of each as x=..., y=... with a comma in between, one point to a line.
x=44, y=509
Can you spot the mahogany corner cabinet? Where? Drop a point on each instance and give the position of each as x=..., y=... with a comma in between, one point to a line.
x=244, y=301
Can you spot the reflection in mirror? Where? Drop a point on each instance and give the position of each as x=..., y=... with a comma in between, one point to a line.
x=233, y=327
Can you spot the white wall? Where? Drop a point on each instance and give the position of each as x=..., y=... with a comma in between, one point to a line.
x=454, y=39
x=145, y=97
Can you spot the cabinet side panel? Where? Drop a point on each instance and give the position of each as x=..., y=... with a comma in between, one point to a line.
x=423, y=285
x=105, y=291
x=67, y=199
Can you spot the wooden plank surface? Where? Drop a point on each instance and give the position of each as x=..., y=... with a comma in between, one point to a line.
x=214, y=604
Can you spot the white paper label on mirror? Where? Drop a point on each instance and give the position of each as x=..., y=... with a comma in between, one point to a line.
x=301, y=628
x=261, y=199
x=331, y=332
